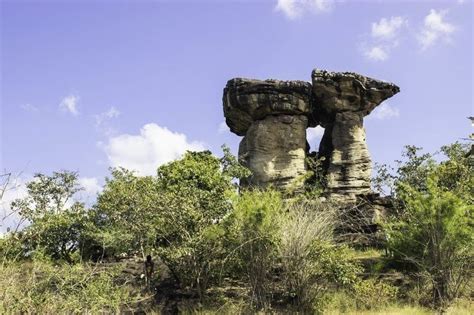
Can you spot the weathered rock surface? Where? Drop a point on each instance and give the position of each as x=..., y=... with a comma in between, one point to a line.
x=341, y=100
x=336, y=92
x=349, y=167
x=248, y=100
x=274, y=149
x=273, y=117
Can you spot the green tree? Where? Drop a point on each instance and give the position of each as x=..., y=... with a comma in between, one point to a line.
x=126, y=214
x=433, y=229
x=56, y=222
x=196, y=192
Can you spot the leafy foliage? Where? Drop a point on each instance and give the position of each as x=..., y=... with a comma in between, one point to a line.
x=196, y=194
x=280, y=250
x=47, y=195
x=285, y=249
x=42, y=287
x=56, y=222
x=252, y=240
x=433, y=228
x=371, y=294
x=435, y=235
x=125, y=214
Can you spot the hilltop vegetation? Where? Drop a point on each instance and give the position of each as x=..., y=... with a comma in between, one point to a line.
x=218, y=250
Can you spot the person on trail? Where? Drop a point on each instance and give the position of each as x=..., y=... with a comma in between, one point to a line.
x=149, y=268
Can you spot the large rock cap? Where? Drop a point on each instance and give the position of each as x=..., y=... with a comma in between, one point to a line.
x=346, y=91
x=248, y=100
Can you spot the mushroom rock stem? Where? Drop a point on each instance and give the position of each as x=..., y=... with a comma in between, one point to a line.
x=349, y=167
x=272, y=116
x=274, y=148
x=341, y=100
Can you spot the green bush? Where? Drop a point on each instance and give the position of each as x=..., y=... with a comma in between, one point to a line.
x=252, y=235
x=125, y=215
x=195, y=196
x=286, y=250
x=372, y=294
x=56, y=224
x=310, y=262
x=11, y=247
x=431, y=232
x=435, y=236
x=45, y=288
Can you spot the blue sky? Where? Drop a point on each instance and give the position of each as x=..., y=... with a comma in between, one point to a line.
x=90, y=84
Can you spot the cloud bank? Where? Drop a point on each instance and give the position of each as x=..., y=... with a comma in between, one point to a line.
x=152, y=147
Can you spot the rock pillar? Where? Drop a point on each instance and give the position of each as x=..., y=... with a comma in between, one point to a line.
x=341, y=100
x=272, y=116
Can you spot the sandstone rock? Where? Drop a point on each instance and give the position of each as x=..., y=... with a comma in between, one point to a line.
x=274, y=149
x=349, y=167
x=273, y=117
x=247, y=100
x=336, y=92
x=340, y=101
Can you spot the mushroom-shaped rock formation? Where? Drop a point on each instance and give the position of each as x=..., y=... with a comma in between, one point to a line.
x=341, y=100
x=272, y=116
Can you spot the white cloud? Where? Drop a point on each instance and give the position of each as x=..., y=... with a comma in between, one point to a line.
x=29, y=108
x=377, y=53
x=223, y=128
x=294, y=9
x=313, y=134
x=112, y=112
x=69, y=104
x=388, y=28
x=434, y=29
x=154, y=146
x=91, y=188
x=385, y=36
x=90, y=184
x=384, y=111
x=102, y=120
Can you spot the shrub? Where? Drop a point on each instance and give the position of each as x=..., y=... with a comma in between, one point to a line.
x=195, y=196
x=435, y=236
x=11, y=247
x=42, y=287
x=431, y=233
x=125, y=215
x=310, y=262
x=372, y=294
x=56, y=225
x=252, y=237
x=285, y=250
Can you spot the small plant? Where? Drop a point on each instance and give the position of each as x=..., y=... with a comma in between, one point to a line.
x=372, y=294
